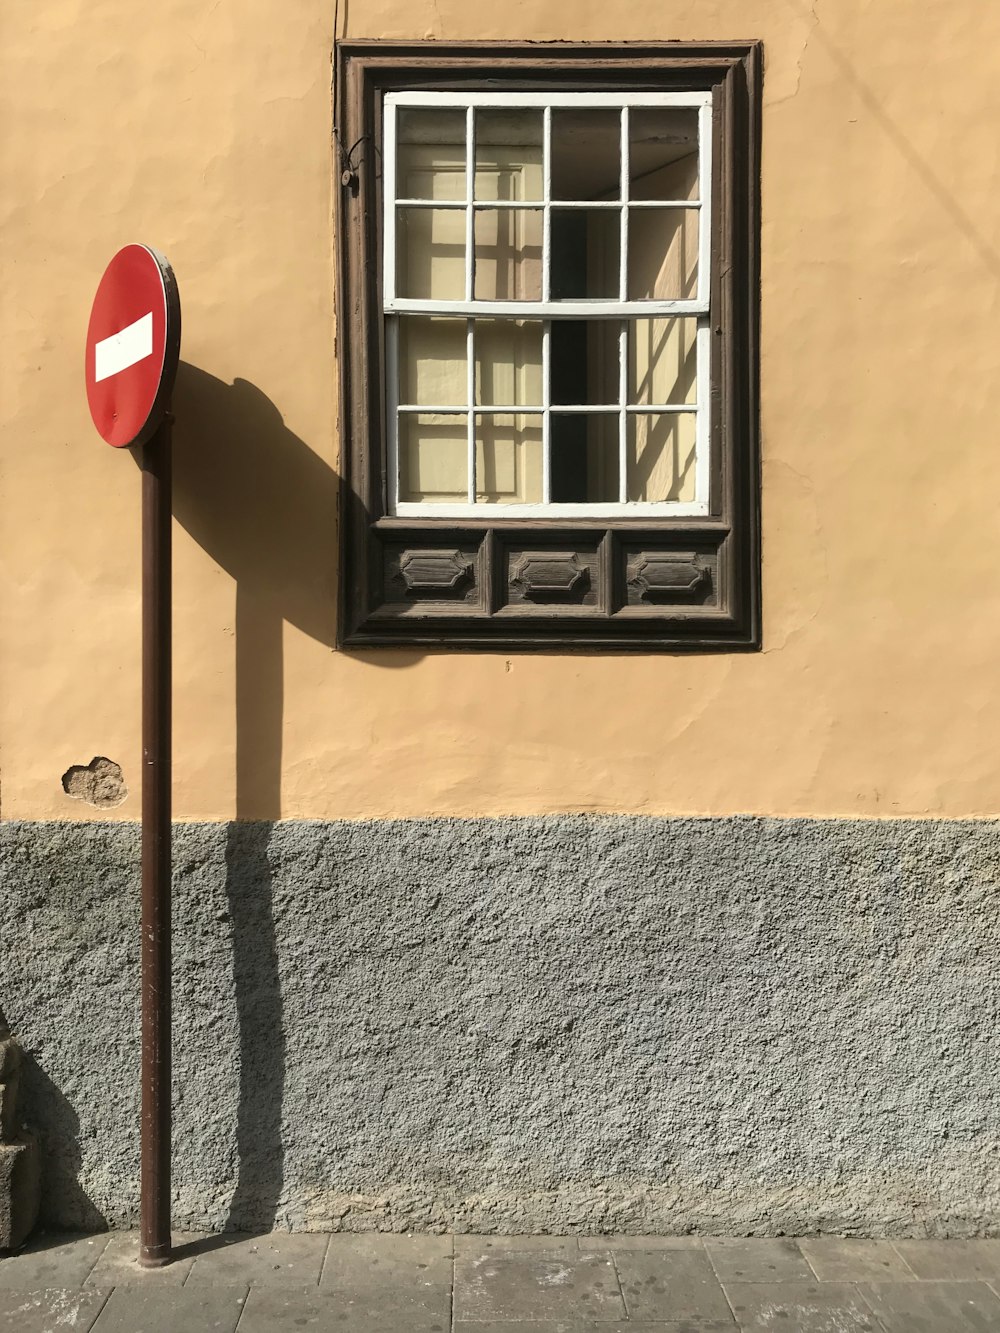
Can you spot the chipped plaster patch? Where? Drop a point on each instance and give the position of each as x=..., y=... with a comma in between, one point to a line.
x=100, y=783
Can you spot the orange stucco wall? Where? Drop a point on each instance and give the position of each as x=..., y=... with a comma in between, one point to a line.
x=205, y=131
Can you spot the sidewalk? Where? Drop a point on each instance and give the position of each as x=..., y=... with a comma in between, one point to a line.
x=502, y=1284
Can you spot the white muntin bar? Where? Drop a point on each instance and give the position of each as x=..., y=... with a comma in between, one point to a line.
x=496, y=204
x=705, y=193
x=623, y=296
x=389, y=196
x=702, y=477
x=636, y=509
x=533, y=409
x=470, y=380
x=646, y=409
x=470, y=217
x=546, y=414
x=623, y=412
x=392, y=413
x=434, y=409
x=547, y=309
x=623, y=191
x=418, y=98
x=547, y=199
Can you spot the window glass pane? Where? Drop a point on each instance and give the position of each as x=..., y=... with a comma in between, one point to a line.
x=509, y=154
x=584, y=461
x=509, y=459
x=508, y=362
x=662, y=361
x=583, y=361
x=586, y=154
x=433, y=458
x=432, y=355
x=430, y=254
x=430, y=153
x=508, y=254
x=586, y=244
x=663, y=254
x=663, y=153
x=660, y=456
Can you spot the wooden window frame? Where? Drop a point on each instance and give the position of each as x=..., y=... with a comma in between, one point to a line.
x=621, y=584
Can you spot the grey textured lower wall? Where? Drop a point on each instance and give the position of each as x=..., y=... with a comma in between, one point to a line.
x=739, y=1026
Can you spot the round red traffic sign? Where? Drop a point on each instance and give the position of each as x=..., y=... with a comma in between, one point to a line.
x=133, y=343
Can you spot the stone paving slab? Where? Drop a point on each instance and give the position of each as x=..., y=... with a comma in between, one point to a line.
x=404, y=1278
x=956, y=1259
x=53, y=1261
x=72, y=1310
x=171, y=1310
x=517, y=1287
x=292, y=1258
x=671, y=1284
x=800, y=1307
x=758, y=1261
x=288, y=1310
x=837, y=1259
x=934, y=1307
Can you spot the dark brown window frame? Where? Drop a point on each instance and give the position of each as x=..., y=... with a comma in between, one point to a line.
x=615, y=584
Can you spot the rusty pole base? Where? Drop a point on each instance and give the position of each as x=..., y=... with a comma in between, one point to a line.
x=155, y=1260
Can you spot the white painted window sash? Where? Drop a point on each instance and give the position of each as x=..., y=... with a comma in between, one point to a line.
x=547, y=309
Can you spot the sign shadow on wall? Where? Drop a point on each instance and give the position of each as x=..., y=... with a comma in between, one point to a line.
x=262, y=505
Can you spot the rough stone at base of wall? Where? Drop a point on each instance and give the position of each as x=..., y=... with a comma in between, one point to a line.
x=567, y=1024
x=19, y=1189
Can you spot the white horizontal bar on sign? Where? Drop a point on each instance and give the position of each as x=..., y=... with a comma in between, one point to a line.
x=643, y=509
x=125, y=348
x=549, y=99
x=546, y=309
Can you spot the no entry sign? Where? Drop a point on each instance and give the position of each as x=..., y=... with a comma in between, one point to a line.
x=133, y=342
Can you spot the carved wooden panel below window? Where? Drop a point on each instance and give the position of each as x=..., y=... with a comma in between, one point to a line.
x=553, y=577
x=657, y=578
x=436, y=574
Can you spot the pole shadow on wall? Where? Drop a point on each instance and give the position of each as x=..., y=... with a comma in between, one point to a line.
x=264, y=507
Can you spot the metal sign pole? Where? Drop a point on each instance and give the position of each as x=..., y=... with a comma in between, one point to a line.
x=130, y=364
x=154, y=1250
